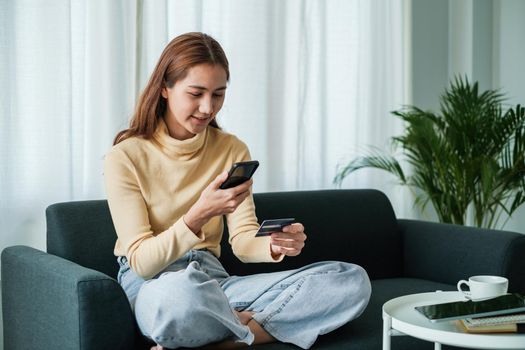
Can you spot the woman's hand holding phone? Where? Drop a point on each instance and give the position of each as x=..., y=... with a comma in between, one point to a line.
x=215, y=201
x=289, y=242
x=239, y=173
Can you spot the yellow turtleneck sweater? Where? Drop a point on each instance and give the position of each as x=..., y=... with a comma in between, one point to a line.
x=151, y=184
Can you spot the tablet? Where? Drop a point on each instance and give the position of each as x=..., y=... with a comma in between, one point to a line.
x=504, y=304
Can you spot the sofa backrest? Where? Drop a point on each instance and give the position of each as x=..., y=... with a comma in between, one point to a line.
x=357, y=226
x=83, y=232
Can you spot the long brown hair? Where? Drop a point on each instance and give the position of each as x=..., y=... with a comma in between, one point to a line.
x=181, y=54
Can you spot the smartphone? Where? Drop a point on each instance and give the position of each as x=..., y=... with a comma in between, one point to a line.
x=504, y=304
x=240, y=172
x=275, y=225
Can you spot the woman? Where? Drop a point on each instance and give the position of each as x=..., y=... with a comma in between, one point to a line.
x=162, y=181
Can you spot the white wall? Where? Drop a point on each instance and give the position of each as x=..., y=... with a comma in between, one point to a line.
x=484, y=39
x=509, y=70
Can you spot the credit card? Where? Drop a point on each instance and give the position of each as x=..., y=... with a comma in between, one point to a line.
x=274, y=225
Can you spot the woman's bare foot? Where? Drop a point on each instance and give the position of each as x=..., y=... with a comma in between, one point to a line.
x=260, y=334
x=244, y=316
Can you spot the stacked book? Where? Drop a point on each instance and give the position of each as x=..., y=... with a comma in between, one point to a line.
x=512, y=323
x=502, y=314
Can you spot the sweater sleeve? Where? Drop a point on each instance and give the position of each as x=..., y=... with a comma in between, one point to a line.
x=148, y=252
x=242, y=226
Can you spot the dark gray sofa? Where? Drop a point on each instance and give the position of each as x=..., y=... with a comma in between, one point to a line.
x=68, y=298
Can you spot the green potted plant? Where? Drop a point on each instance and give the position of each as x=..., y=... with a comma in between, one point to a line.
x=469, y=155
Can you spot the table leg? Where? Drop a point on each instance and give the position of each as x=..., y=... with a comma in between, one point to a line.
x=387, y=326
x=437, y=346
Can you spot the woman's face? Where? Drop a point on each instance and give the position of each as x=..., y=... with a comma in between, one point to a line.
x=194, y=101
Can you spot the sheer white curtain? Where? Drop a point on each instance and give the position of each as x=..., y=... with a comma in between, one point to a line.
x=312, y=84
x=67, y=82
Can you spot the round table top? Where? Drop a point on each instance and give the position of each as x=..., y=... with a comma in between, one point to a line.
x=409, y=321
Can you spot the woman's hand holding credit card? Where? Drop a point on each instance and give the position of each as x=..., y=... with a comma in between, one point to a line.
x=287, y=236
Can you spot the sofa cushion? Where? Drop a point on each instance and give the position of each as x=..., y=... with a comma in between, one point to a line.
x=366, y=331
x=447, y=253
x=76, y=229
x=357, y=226
x=83, y=232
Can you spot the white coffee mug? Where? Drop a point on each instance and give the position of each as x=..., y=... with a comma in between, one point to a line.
x=482, y=287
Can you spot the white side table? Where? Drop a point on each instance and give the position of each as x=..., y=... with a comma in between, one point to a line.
x=400, y=318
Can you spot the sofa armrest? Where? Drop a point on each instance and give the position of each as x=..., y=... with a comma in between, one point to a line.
x=52, y=303
x=447, y=253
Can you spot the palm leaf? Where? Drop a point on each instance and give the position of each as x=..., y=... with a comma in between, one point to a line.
x=470, y=153
x=374, y=160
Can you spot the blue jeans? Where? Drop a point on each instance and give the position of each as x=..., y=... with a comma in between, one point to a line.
x=192, y=302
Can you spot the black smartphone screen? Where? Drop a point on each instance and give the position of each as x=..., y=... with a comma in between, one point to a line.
x=240, y=172
x=504, y=304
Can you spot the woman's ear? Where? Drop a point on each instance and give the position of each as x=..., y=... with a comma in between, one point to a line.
x=164, y=92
